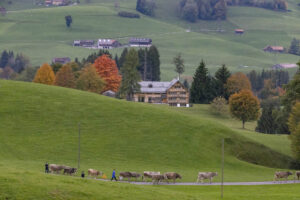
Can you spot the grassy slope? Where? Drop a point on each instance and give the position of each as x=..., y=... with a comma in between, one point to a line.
x=39, y=124
x=25, y=184
x=26, y=31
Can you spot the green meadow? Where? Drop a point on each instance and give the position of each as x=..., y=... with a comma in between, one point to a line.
x=40, y=33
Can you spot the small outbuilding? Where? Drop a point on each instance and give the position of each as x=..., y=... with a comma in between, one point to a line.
x=274, y=49
x=239, y=31
x=62, y=61
x=109, y=93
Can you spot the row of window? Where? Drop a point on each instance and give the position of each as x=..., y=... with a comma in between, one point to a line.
x=172, y=93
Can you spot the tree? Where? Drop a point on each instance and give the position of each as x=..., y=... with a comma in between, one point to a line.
x=190, y=11
x=7, y=73
x=56, y=67
x=123, y=57
x=69, y=20
x=222, y=75
x=89, y=80
x=201, y=89
x=65, y=77
x=294, y=127
x=218, y=105
x=292, y=94
x=179, y=64
x=244, y=106
x=267, y=121
x=44, y=75
x=146, y=7
x=20, y=63
x=4, y=59
x=237, y=82
x=295, y=47
x=186, y=84
x=108, y=71
x=130, y=75
x=154, y=63
x=27, y=74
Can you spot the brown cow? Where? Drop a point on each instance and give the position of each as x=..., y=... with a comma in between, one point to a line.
x=70, y=170
x=148, y=174
x=94, y=173
x=172, y=175
x=54, y=168
x=279, y=175
x=124, y=175
x=156, y=178
x=206, y=175
x=297, y=174
x=135, y=175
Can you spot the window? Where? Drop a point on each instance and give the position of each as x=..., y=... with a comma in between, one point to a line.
x=141, y=99
x=183, y=93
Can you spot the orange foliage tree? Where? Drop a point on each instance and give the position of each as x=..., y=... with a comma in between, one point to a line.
x=108, y=71
x=44, y=75
x=244, y=106
x=65, y=77
x=237, y=82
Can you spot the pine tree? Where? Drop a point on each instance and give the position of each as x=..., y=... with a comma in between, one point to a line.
x=130, y=75
x=4, y=59
x=201, y=86
x=266, y=122
x=154, y=63
x=295, y=47
x=221, y=78
x=117, y=61
x=44, y=75
x=123, y=57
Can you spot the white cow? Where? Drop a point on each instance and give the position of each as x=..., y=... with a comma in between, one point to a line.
x=148, y=174
x=206, y=175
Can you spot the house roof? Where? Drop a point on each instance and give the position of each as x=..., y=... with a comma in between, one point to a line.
x=61, y=60
x=140, y=40
x=156, y=86
x=275, y=48
x=284, y=66
x=239, y=30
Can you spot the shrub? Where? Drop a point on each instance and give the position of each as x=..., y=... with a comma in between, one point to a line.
x=218, y=105
x=128, y=14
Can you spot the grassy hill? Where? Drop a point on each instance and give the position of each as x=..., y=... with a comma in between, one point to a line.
x=41, y=33
x=40, y=123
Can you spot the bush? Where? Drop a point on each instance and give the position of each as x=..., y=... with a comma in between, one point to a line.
x=128, y=14
x=218, y=105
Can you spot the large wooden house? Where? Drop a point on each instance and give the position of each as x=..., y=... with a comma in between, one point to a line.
x=173, y=93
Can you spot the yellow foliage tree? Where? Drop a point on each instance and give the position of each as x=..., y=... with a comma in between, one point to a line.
x=65, y=77
x=244, y=106
x=237, y=82
x=44, y=75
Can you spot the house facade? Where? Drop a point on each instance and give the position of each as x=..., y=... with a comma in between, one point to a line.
x=84, y=43
x=140, y=42
x=108, y=44
x=239, y=31
x=173, y=93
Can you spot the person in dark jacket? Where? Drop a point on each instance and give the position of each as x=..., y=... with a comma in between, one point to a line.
x=113, y=177
x=46, y=168
x=82, y=174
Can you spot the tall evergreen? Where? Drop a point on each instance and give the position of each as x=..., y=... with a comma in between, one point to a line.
x=266, y=122
x=221, y=78
x=4, y=59
x=295, y=47
x=154, y=63
x=201, y=89
x=117, y=61
x=123, y=57
x=130, y=75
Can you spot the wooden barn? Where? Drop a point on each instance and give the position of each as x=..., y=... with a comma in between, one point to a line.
x=140, y=42
x=173, y=93
x=274, y=49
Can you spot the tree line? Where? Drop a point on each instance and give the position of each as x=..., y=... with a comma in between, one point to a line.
x=146, y=7
x=267, y=4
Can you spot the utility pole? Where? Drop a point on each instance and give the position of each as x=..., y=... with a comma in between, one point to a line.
x=78, y=146
x=222, y=181
x=145, y=65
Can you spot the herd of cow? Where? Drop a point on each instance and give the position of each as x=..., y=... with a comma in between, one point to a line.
x=156, y=177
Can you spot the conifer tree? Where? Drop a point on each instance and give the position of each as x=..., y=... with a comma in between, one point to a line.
x=123, y=57
x=266, y=122
x=294, y=127
x=154, y=63
x=221, y=78
x=295, y=47
x=201, y=90
x=44, y=75
x=130, y=75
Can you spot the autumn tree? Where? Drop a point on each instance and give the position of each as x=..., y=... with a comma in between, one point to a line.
x=44, y=75
x=237, y=82
x=179, y=64
x=65, y=77
x=108, y=71
x=130, y=75
x=89, y=80
x=294, y=127
x=244, y=106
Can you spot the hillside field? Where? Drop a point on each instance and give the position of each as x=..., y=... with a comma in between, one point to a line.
x=41, y=33
x=39, y=124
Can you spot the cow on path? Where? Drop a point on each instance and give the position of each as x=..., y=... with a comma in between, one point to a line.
x=94, y=173
x=157, y=178
x=148, y=174
x=206, y=175
x=279, y=175
x=172, y=175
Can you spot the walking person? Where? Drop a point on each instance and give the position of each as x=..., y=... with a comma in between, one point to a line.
x=46, y=168
x=82, y=174
x=113, y=177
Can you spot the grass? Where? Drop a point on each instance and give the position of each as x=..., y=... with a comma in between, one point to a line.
x=24, y=30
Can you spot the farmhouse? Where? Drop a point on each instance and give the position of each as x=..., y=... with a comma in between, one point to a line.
x=62, y=61
x=284, y=66
x=173, y=93
x=239, y=31
x=108, y=44
x=84, y=43
x=140, y=42
x=274, y=49
x=59, y=2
